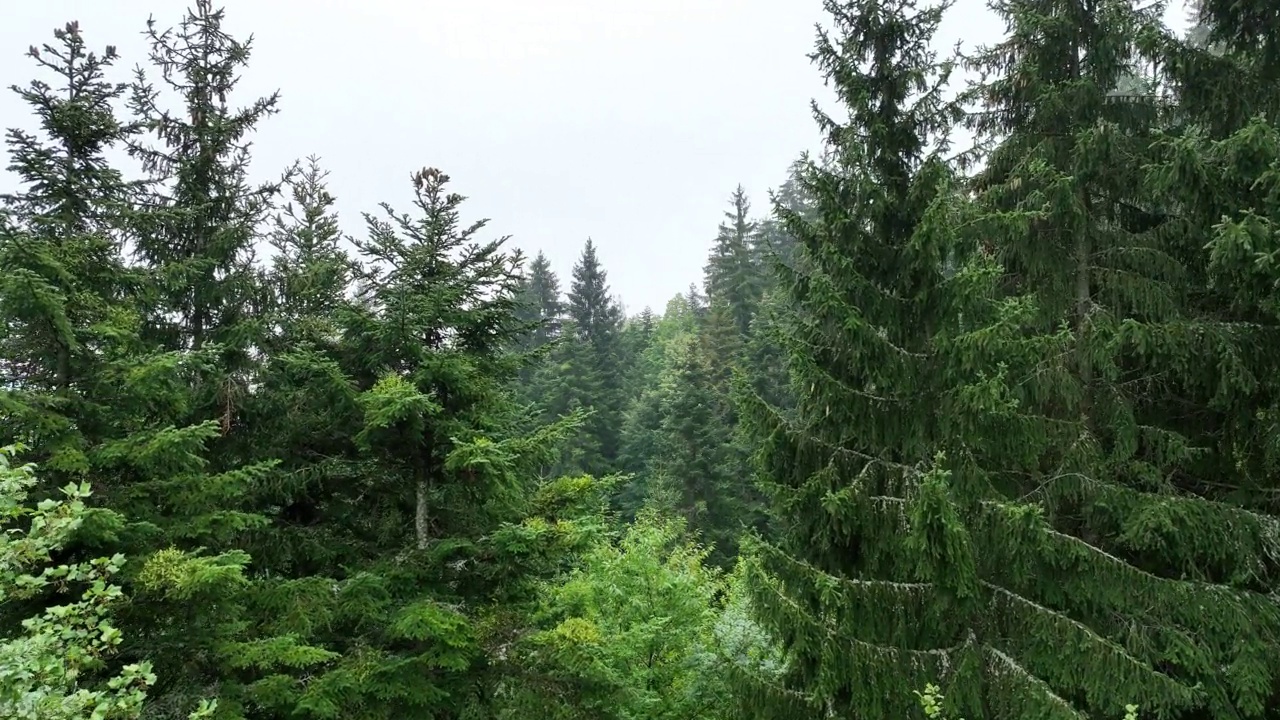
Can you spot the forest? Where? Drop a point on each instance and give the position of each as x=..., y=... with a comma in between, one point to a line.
x=986, y=432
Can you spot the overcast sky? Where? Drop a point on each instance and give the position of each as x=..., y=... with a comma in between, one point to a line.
x=630, y=123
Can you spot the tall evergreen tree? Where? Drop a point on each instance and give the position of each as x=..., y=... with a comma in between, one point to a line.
x=206, y=214
x=128, y=402
x=60, y=248
x=310, y=271
x=864, y=302
x=189, y=478
x=303, y=406
x=731, y=276
x=692, y=466
x=597, y=362
x=1217, y=185
x=638, y=334
x=952, y=503
x=541, y=302
x=1112, y=296
x=432, y=352
x=542, y=310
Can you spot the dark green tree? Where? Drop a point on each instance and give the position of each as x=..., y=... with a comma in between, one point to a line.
x=430, y=350
x=1113, y=295
x=862, y=309
x=541, y=302
x=693, y=468
x=542, y=309
x=310, y=272
x=596, y=361
x=60, y=238
x=955, y=496
x=732, y=275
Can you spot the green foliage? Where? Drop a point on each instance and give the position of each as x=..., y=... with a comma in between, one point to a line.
x=1017, y=429
x=53, y=670
x=632, y=632
x=593, y=366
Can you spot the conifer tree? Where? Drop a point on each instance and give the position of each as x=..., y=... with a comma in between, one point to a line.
x=196, y=239
x=731, y=275
x=637, y=337
x=596, y=361
x=303, y=406
x=60, y=249
x=310, y=271
x=693, y=457
x=1112, y=295
x=542, y=310
x=184, y=472
x=199, y=243
x=541, y=303
x=1217, y=189
x=863, y=302
x=936, y=519
x=430, y=349
x=642, y=420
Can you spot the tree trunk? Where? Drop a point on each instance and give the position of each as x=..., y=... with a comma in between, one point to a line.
x=422, y=510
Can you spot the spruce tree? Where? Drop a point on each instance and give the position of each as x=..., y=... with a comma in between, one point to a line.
x=642, y=419
x=60, y=241
x=188, y=476
x=541, y=303
x=731, y=274
x=692, y=464
x=310, y=271
x=1214, y=173
x=946, y=510
x=542, y=310
x=864, y=306
x=1122, y=373
x=596, y=360
x=430, y=350
x=303, y=405
x=199, y=243
x=196, y=238
x=128, y=402
x=637, y=337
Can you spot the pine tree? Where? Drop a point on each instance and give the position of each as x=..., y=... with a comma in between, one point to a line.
x=1112, y=293
x=431, y=350
x=184, y=471
x=1214, y=174
x=200, y=242
x=60, y=249
x=731, y=275
x=693, y=455
x=939, y=517
x=864, y=303
x=642, y=419
x=542, y=310
x=310, y=271
x=596, y=362
x=541, y=303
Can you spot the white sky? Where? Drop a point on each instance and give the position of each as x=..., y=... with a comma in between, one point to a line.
x=630, y=123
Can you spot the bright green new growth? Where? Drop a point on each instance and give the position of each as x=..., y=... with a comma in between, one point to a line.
x=643, y=628
x=931, y=703
x=45, y=671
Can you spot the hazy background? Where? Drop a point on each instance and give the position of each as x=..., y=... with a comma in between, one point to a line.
x=630, y=123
